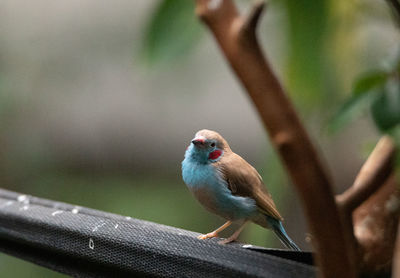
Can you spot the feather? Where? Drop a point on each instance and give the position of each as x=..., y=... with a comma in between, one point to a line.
x=277, y=227
x=243, y=180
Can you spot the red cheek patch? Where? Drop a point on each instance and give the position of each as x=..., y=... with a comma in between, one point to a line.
x=215, y=154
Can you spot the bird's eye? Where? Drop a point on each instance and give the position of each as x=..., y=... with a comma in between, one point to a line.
x=212, y=144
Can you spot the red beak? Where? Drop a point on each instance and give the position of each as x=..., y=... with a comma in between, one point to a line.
x=198, y=142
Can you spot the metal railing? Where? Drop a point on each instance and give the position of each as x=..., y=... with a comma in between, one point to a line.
x=84, y=242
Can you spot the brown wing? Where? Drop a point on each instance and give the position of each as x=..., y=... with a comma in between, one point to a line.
x=244, y=180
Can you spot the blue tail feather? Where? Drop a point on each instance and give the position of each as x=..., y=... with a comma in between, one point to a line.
x=277, y=227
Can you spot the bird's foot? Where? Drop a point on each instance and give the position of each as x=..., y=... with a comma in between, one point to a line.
x=233, y=237
x=226, y=241
x=209, y=235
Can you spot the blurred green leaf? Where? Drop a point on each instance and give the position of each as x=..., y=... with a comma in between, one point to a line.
x=350, y=110
x=307, y=27
x=172, y=31
x=386, y=107
x=369, y=81
x=364, y=91
x=395, y=133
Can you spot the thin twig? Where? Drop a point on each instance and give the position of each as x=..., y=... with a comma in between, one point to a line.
x=237, y=39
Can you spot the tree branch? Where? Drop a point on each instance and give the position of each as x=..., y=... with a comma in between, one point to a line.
x=236, y=37
x=373, y=173
x=375, y=225
x=251, y=21
x=396, y=255
x=372, y=189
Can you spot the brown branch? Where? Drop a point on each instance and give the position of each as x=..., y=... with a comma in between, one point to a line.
x=371, y=218
x=237, y=39
x=396, y=255
x=251, y=21
x=375, y=225
x=373, y=173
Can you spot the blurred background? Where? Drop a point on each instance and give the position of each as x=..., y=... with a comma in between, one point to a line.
x=99, y=100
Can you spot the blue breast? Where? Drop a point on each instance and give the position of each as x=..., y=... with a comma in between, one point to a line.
x=206, y=183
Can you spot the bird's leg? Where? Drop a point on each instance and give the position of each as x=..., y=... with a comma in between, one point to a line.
x=234, y=236
x=215, y=233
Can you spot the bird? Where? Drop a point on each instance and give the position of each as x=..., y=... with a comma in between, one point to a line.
x=227, y=185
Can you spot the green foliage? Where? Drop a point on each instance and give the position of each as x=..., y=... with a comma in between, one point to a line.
x=307, y=26
x=378, y=91
x=172, y=31
x=350, y=110
x=368, y=82
x=395, y=133
x=359, y=101
x=386, y=107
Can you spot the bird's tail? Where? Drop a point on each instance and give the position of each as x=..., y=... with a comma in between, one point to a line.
x=277, y=227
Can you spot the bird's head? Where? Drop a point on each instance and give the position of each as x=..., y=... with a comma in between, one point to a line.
x=207, y=146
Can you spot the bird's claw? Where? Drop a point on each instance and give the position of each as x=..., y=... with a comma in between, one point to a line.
x=226, y=241
x=209, y=235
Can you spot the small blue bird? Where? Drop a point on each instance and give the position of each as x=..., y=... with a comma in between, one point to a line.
x=225, y=184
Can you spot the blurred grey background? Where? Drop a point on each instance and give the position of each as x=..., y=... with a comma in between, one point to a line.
x=87, y=118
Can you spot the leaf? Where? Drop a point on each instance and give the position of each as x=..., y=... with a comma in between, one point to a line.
x=306, y=31
x=369, y=81
x=350, y=110
x=363, y=92
x=386, y=107
x=395, y=134
x=172, y=31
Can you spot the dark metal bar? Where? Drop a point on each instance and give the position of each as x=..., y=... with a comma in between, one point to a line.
x=89, y=243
